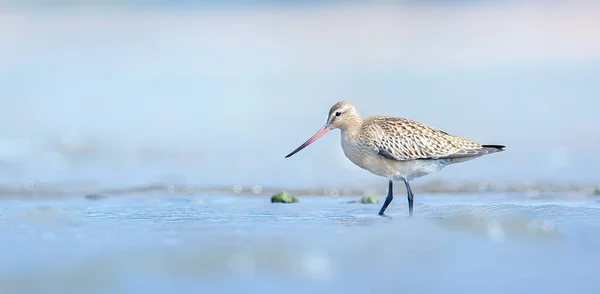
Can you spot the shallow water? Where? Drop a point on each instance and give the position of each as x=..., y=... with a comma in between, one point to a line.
x=492, y=243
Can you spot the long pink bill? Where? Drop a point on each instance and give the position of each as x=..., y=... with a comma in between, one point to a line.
x=316, y=136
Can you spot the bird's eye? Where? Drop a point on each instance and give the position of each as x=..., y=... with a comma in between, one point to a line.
x=338, y=113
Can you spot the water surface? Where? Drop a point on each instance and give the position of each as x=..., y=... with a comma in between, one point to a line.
x=492, y=243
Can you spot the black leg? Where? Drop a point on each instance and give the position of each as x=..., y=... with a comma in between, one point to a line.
x=388, y=199
x=410, y=197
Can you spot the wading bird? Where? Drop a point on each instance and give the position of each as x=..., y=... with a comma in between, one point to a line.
x=398, y=149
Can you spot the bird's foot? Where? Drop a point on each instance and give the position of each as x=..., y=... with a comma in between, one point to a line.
x=384, y=215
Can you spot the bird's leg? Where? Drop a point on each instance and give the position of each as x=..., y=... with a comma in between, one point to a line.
x=388, y=199
x=410, y=198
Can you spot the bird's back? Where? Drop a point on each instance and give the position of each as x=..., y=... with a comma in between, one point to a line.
x=404, y=139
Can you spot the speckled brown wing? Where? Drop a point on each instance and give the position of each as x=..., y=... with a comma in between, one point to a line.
x=403, y=139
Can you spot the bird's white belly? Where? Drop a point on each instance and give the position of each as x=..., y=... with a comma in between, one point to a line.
x=413, y=169
x=399, y=170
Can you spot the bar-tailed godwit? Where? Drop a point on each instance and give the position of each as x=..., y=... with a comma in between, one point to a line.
x=398, y=149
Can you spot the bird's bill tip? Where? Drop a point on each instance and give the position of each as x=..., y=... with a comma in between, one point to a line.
x=316, y=136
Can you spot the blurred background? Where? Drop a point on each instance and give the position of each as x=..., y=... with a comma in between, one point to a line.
x=205, y=98
x=116, y=94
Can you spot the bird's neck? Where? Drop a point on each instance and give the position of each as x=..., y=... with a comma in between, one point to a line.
x=352, y=128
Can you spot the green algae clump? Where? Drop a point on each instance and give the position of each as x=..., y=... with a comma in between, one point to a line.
x=283, y=197
x=369, y=200
x=366, y=200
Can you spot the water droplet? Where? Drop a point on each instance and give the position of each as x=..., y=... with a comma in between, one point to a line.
x=171, y=188
x=29, y=186
x=237, y=189
x=532, y=193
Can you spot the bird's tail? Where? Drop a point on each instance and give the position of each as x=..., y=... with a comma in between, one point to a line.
x=473, y=153
x=493, y=148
